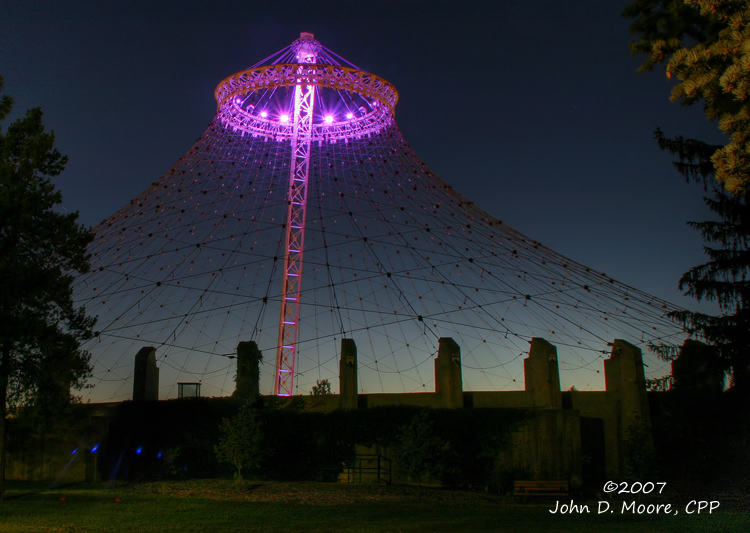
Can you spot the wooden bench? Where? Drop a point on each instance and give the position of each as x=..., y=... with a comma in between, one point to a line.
x=540, y=488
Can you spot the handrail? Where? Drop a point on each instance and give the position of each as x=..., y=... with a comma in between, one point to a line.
x=370, y=463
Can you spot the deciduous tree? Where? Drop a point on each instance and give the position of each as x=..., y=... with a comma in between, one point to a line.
x=418, y=451
x=241, y=443
x=322, y=387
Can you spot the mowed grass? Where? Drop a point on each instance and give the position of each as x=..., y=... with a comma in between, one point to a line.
x=221, y=505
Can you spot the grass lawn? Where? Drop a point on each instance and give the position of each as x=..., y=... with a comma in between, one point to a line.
x=221, y=505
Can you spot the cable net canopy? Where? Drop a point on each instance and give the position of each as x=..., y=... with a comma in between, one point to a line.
x=394, y=258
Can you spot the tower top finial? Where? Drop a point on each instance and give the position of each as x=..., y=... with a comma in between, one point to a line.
x=307, y=48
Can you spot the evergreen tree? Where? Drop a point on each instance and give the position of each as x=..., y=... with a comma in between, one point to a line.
x=706, y=46
x=725, y=278
x=41, y=250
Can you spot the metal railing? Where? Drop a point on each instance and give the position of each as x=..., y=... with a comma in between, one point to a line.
x=373, y=468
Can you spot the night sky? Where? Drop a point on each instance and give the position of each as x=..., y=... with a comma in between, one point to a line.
x=533, y=110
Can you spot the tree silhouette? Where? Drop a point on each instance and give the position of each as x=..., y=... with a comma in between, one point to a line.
x=41, y=250
x=418, y=451
x=322, y=387
x=725, y=278
x=241, y=443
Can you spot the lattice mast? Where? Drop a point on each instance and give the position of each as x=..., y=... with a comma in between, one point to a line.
x=250, y=102
x=294, y=246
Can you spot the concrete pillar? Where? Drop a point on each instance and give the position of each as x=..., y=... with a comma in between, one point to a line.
x=247, y=384
x=348, y=375
x=448, y=377
x=145, y=376
x=542, y=375
x=624, y=375
x=626, y=380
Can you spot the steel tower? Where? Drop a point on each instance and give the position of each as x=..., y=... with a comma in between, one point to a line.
x=351, y=88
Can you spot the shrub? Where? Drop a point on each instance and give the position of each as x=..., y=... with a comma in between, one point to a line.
x=241, y=443
x=419, y=452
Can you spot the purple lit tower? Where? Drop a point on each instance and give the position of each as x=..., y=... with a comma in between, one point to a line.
x=304, y=160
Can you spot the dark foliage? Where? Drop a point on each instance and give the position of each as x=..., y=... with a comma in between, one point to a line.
x=702, y=442
x=183, y=431
x=665, y=26
x=243, y=442
x=703, y=46
x=725, y=278
x=322, y=387
x=297, y=445
x=41, y=250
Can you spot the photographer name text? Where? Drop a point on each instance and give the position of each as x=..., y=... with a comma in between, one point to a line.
x=632, y=506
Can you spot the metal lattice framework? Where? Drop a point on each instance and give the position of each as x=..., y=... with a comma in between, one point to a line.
x=306, y=158
x=230, y=96
x=304, y=103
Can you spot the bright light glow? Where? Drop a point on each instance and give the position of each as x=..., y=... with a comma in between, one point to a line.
x=263, y=114
x=139, y=450
x=74, y=451
x=96, y=447
x=284, y=119
x=329, y=119
x=350, y=116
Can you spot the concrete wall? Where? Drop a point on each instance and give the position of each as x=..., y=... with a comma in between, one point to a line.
x=62, y=456
x=547, y=446
x=53, y=462
x=419, y=399
x=602, y=405
x=502, y=400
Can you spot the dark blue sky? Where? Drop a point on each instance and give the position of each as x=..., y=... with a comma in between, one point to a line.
x=532, y=110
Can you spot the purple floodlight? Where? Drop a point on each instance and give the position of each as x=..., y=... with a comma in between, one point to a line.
x=306, y=63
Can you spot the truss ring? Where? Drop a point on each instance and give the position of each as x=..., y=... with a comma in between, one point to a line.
x=381, y=95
